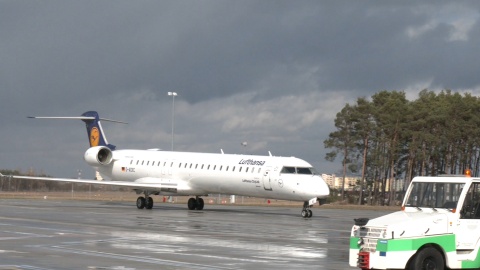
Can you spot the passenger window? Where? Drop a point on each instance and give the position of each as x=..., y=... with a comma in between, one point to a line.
x=246, y=170
x=221, y=168
x=240, y=170
x=227, y=169
x=131, y=161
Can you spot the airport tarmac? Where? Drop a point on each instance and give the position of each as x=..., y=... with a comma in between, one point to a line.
x=69, y=234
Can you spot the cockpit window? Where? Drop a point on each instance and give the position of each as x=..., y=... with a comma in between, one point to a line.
x=299, y=170
x=314, y=171
x=304, y=171
x=288, y=170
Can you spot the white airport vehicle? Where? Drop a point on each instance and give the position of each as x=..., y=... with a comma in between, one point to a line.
x=437, y=228
x=168, y=173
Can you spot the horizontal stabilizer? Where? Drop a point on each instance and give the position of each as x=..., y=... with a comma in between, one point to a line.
x=76, y=118
x=96, y=136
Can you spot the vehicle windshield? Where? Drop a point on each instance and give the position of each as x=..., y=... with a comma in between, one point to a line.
x=299, y=170
x=434, y=195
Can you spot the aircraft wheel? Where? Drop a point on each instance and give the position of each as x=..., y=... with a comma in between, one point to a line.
x=149, y=203
x=200, y=204
x=192, y=204
x=305, y=213
x=310, y=213
x=140, y=202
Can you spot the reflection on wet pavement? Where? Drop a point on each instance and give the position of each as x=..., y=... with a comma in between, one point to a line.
x=96, y=235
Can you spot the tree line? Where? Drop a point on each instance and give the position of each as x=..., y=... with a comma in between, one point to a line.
x=387, y=138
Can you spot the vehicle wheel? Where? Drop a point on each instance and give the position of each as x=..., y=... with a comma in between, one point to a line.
x=304, y=213
x=140, y=202
x=428, y=258
x=192, y=204
x=200, y=204
x=149, y=203
x=310, y=213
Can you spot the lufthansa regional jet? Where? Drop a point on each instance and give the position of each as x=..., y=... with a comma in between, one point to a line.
x=169, y=173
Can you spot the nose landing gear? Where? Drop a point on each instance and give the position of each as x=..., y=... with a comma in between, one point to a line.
x=306, y=212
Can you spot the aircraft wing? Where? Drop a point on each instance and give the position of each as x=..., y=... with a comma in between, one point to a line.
x=147, y=183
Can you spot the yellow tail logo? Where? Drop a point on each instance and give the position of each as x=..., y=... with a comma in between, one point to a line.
x=94, y=137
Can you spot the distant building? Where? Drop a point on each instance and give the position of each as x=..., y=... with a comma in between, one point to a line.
x=329, y=179
x=336, y=182
x=352, y=181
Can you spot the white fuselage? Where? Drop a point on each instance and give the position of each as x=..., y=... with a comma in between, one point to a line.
x=201, y=174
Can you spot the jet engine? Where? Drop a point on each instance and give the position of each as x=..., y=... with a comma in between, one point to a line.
x=98, y=155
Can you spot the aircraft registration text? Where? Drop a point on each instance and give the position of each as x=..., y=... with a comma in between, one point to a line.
x=126, y=169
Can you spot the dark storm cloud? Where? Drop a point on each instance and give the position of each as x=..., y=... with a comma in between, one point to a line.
x=210, y=48
x=271, y=72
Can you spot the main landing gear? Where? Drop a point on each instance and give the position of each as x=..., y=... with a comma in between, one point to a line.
x=306, y=212
x=145, y=202
x=195, y=203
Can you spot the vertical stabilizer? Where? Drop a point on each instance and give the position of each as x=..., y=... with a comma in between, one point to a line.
x=96, y=136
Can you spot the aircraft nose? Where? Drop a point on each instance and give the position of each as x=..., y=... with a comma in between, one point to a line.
x=322, y=188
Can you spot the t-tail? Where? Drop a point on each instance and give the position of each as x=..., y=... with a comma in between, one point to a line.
x=96, y=136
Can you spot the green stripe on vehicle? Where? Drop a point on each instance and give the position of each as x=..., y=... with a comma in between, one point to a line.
x=447, y=242
x=354, y=243
x=472, y=264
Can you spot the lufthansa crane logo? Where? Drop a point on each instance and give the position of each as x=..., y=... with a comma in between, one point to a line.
x=94, y=137
x=280, y=183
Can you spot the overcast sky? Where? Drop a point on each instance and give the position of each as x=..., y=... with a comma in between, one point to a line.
x=271, y=73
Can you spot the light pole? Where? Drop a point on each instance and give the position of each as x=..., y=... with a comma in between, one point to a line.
x=173, y=94
x=244, y=144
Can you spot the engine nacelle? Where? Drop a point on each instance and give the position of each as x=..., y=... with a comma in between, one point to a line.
x=98, y=155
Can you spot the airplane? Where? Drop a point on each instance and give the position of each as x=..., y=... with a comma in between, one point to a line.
x=171, y=173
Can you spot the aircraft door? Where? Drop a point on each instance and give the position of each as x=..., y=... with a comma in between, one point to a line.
x=267, y=179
